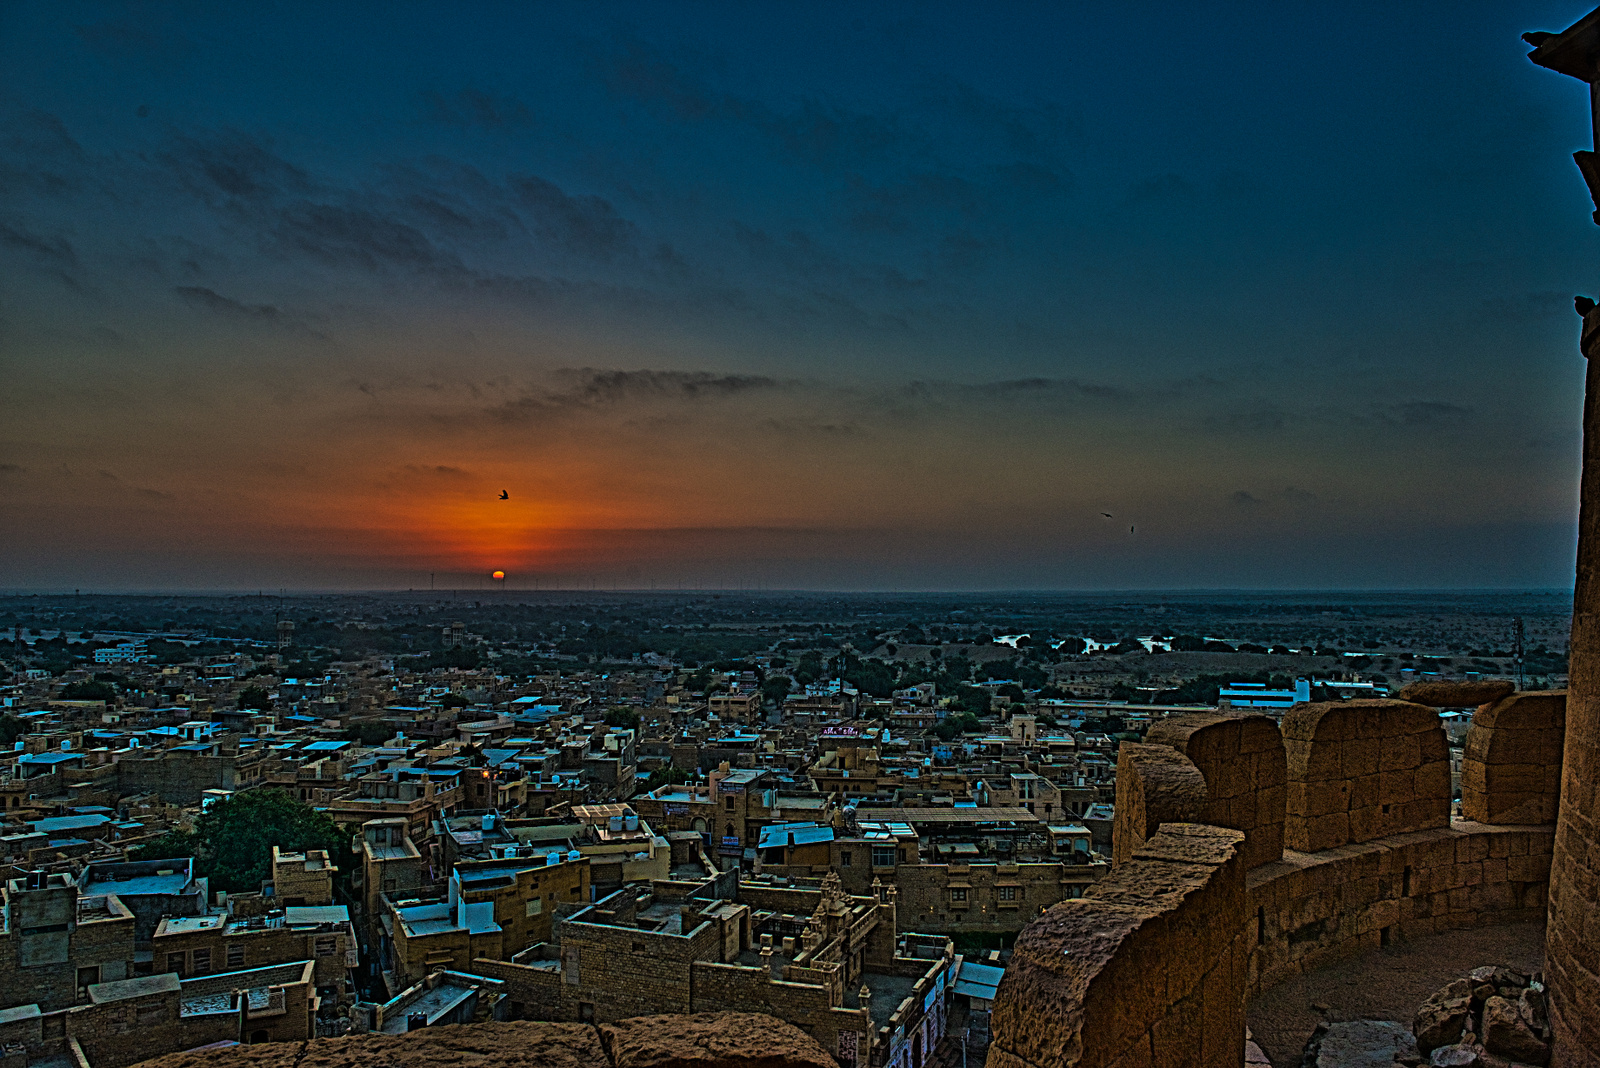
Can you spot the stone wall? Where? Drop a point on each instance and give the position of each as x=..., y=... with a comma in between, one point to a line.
x=1241, y=757
x=1359, y=770
x=1511, y=768
x=1096, y=983
x=1156, y=784
x=1309, y=908
x=1571, y=961
x=1147, y=969
x=724, y=1040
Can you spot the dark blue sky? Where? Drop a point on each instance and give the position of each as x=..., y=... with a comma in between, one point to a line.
x=790, y=295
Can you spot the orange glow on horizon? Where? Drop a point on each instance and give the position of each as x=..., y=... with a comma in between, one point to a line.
x=498, y=576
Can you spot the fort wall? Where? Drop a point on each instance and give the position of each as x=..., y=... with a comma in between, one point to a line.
x=1151, y=965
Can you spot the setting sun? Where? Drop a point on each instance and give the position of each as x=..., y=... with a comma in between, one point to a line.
x=498, y=576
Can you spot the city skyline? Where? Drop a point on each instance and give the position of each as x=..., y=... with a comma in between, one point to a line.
x=802, y=299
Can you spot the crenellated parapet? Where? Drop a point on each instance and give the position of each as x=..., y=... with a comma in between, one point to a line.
x=1326, y=840
x=1361, y=770
x=1241, y=758
x=1147, y=968
x=1511, y=769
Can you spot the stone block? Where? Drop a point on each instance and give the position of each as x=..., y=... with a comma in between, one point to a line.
x=1457, y=694
x=712, y=1040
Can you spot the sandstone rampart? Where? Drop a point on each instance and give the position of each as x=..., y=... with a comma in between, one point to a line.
x=1373, y=857
x=715, y=1040
x=1146, y=968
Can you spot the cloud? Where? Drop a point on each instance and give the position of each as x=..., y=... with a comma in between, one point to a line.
x=38, y=155
x=439, y=471
x=211, y=300
x=473, y=107
x=57, y=251
x=1245, y=499
x=586, y=225
x=606, y=387
x=359, y=237
x=235, y=165
x=1423, y=413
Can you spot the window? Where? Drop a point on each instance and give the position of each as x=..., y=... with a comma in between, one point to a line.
x=728, y=803
x=844, y=858
x=202, y=961
x=958, y=893
x=1008, y=893
x=586, y=1012
x=88, y=976
x=883, y=856
x=534, y=907
x=236, y=955
x=327, y=947
x=175, y=962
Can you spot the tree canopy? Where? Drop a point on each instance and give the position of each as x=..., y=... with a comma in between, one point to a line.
x=233, y=838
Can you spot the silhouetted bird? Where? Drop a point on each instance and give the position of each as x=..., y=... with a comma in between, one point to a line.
x=1108, y=515
x=1538, y=37
x=1583, y=304
x=504, y=496
x=1130, y=530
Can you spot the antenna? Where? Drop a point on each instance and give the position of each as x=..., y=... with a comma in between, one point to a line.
x=1516, y=650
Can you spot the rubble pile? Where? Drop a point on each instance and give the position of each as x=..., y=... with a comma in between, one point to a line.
x=1492, y=1018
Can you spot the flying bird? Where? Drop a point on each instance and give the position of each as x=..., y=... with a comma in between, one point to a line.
x=504, y=496
x=1130, y=530
x=1108, y=515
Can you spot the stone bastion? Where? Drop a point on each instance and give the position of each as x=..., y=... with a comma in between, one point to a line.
x=1246, y=853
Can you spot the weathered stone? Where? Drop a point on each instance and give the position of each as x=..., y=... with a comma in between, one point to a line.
x=1457, y=694
x=1444, y=1016
x=1500, y=977
x=500, y=1045
x=1535, y=1011
x=1156, y=784
x=1508, y=1033
x=1241, y=757
x=1461, y=1055
x=1138, y=967
x=712, y=1040
x=1365, y=1044
x=1362, y=770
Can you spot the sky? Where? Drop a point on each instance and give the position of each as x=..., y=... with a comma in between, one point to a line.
x=823, y=296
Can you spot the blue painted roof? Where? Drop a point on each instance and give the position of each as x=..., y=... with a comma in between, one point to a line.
x=793, y=834
x=69, y=823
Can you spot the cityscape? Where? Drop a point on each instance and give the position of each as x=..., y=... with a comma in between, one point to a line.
x=799, y=536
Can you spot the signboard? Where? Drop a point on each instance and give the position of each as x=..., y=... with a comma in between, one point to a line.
x=840, y=731
x=849, y=1047
x=725, y=789
x=731, y=846
x=674, y=810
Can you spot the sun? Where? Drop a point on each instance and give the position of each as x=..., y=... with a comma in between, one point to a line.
x=498, y=576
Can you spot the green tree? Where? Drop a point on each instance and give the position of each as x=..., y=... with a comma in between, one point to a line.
x=88, y=690
x=232, y=839
x=11, y=729
x=625, y=718
x=667, y=775
x=370, y=733
x=255, y=697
